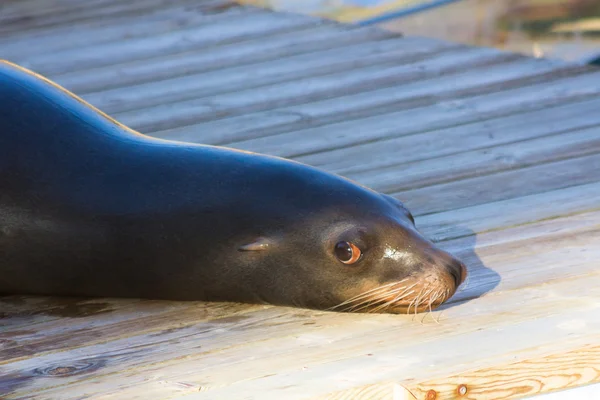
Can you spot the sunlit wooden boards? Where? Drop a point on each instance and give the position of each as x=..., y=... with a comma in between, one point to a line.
x=497, y=155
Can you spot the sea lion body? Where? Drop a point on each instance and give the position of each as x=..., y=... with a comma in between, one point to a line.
x=89, y=207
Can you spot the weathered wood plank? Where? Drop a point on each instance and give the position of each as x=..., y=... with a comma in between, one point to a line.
x=305, y=39
x=330, y=61
x=294, y=144
x=439, y=113
x=395, y=148
x=516, y=211
x=483, y=161
x=478, y=250
x=153, y=316
x=240, y=27
x=502, y=186
x=21, y=313
x=308, y=89
x=431, y=358
x=33, y=17
x=340, y=329
x=339, y=357
x=30, y=8
x=92, y=33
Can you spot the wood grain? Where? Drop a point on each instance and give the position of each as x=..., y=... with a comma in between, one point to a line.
x=501, y=186
x=242, y=27
x=31, y=15
x=305, y=39
x=450, y=85
x=93, y=33
x=394, y=147
x=580, y=366
x=483, y=161
x=307, y=90
x=321, y=63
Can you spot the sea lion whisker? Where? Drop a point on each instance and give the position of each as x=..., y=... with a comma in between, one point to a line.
x=432, y=299
x=386, y=304
x=445, y=293
x=363, y=294
x=391, y=302
x=425, y=294
x=366, y=294
x=420, y=297
x=370, y=302
x=367, y=304
x=398, y=293
x=410, y=305
x=428, y=294
x=399, y=296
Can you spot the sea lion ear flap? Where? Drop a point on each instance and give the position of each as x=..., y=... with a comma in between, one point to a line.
x=260, y=244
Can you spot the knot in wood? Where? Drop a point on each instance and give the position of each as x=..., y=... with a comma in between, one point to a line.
x=431, y=395
x=60, y=371
x=71, y=369
x=461, y=389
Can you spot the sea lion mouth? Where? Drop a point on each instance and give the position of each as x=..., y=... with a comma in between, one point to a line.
x=409, y=295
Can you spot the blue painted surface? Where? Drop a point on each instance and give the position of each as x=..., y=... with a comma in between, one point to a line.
x=403, y=12
x=365, y=3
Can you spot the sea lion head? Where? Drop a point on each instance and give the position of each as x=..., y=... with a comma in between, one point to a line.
x=341, y=246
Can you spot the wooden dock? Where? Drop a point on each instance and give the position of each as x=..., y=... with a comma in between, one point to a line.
x=498, y=155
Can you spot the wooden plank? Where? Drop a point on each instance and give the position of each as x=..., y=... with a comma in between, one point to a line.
x=142, y=317
x=484, y=161
x=304, y=90
x=326, y=62
x=516, y=211
x=238, y=28
x=305, y=39
x=298, y=143
x=393, y=147
x=331, y=358
x=35, y=17
x=491, y=255
x=554, y=373
x=102, y=31
x=429, y=358
x=439, y=113
x=18, y=9
x=338, y=329
x=549, y=373
x=501, y=186
x=21, y=313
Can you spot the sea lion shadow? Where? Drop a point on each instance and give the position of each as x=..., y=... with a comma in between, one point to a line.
x=480, y=279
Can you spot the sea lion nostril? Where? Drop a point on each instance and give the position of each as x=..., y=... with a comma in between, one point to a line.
x=458, y=270
x=456, y=274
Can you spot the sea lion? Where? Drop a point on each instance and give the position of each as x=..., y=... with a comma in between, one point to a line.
x=90, y=207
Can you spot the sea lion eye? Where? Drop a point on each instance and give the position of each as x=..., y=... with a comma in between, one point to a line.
x=347, y=252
